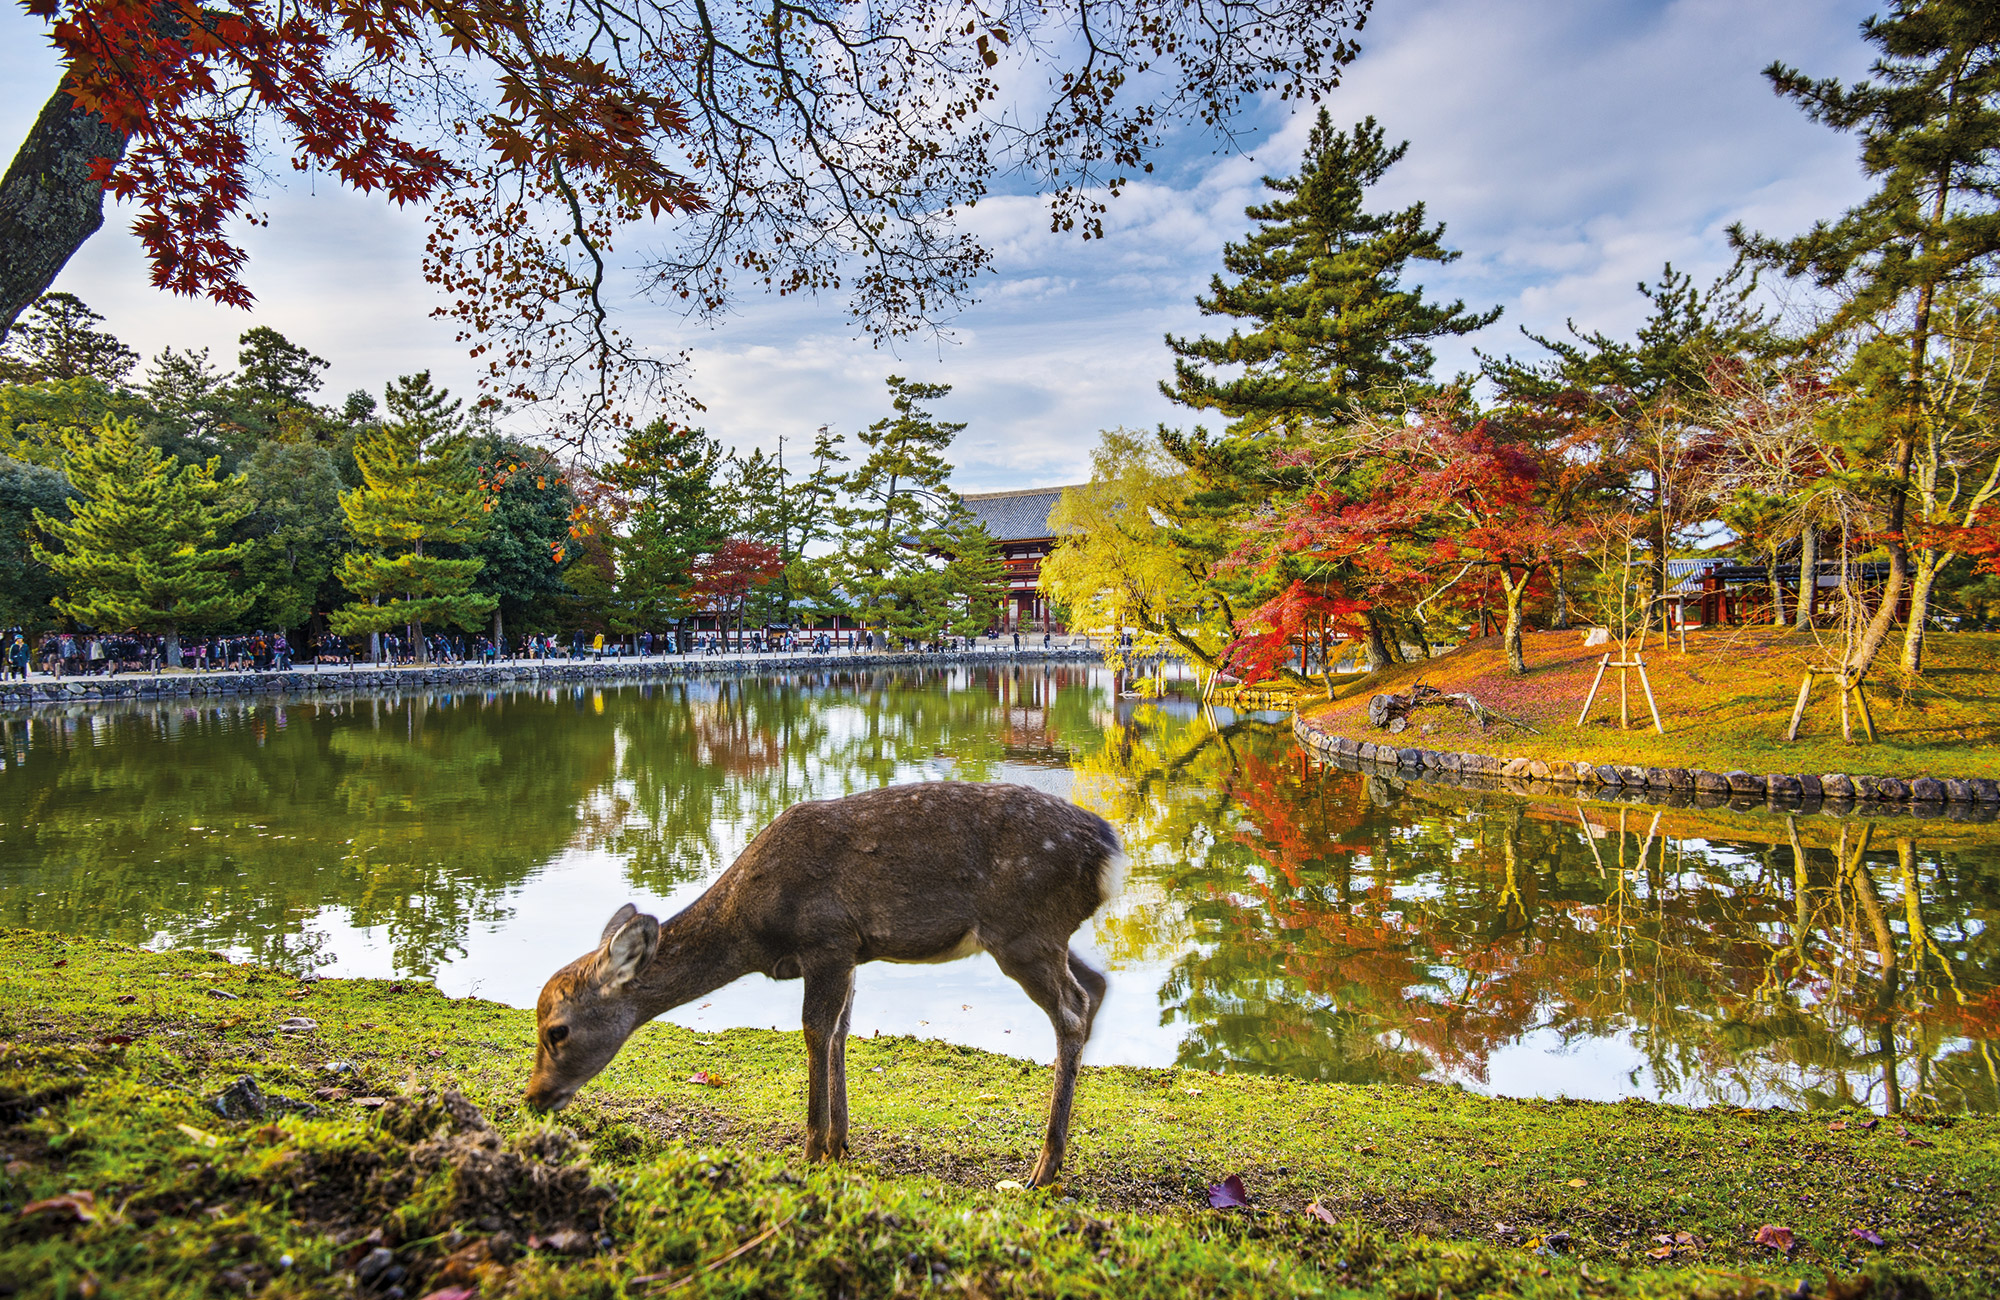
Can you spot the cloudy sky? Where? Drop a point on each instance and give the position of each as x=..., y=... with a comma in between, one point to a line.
x=1571, y=146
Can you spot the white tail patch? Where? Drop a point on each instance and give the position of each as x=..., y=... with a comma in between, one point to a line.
x=1111, y=876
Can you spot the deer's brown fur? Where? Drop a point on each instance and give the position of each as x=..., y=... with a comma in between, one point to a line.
x=914, y=873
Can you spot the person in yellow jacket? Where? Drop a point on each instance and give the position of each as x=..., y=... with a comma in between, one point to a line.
x=597, y=645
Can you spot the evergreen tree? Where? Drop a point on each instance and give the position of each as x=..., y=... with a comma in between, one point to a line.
x=420, y=490
x=528, y=540
x=1320, y=285
x=139, y=550
x=808, y=589
x=191, y=409
x=759, y=508
x=1929, y=124
x=26, y=584
x=275, y=372
x=676, y=513
x=296, y=533
x=900, y=535
x=58, y=338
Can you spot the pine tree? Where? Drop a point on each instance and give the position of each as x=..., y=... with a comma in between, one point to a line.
x=1319, y=283
x=420, y=491
x=897, y=539
x=675, y=516
x=1930, y=137
x=58, y=338
x=139, y=550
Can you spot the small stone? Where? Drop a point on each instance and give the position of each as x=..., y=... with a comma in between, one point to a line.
x=1782, y=786
x=241, y=1100
x=1836, y=786
x=1864, y=787
x=1408, y=758
x=1891, y=790
x=1538, y=769
x=1656, y=778
x=1605, y=775
x=1628, y=775
x=1679, y=778
x=1597, y=636
x=1809, y=786
x=1427, y=758
x=1957, y=791
x=1365, y=751
x=1712, y=782
x=373, y=1265
x=1984, y=790
x=1741, y=782
x=1344, y=745
x=1927, y=789
x=1514, y=767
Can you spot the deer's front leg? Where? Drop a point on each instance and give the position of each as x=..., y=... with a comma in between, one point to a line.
x=828, y=991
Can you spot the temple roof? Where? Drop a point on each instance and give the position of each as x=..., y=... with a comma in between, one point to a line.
x=1014, y=516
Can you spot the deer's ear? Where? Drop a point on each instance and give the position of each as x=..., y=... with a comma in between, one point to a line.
x=627, y=953
x=617, y=922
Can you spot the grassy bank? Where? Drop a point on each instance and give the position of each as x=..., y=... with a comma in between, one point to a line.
x=1725, y=703
x=121, y=1179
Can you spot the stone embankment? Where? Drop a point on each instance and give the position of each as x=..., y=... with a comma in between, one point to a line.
x=308, y=681
x=1835, y=793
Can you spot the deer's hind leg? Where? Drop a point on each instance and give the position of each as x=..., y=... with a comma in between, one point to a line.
x=1047, y=973
x=829, y=993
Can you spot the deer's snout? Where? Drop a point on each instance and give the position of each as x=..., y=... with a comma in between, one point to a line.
x=548, y=1097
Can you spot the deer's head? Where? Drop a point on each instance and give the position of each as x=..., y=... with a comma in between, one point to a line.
x=587, y=1011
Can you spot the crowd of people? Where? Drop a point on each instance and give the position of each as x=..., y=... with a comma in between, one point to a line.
x=93, y=654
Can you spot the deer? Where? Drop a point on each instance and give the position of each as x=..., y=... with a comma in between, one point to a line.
x=931, y=872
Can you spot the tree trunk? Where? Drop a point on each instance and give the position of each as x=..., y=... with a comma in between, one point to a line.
x=171, y=656
x=1777, y=590
x=499, y=635
x=1560, y=621
x=49, y=203
x=1517, y=600
x=1920, y=604
x=1808, y=576
x=1378, y=650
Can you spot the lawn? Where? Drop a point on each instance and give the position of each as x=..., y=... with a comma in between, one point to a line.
x=1724, y=703
x=420, y=1174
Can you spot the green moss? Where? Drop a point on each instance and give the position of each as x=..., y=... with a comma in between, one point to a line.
x=1433, y=1192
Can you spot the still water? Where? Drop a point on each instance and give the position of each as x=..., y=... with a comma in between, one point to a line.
x=1279, y=917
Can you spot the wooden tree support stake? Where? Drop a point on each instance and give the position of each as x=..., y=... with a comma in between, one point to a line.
x=1848, y=690
x=1636, y=663
x=1594, y=683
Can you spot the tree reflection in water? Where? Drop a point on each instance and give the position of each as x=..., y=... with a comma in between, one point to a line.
x=1347, y=926
x=1287, y=918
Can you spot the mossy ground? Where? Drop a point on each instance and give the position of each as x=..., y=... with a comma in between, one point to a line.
x=1724, y=703
x=108, y=1057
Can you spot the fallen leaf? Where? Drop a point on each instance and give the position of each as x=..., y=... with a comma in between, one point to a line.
x=372, y=1103
x=1320, y=1212
x=1872, y=1238
x=1190, y=1090
x=1660, y=1252
x=705, y=1079
x=1836, y=1126
x=1868, y=1123
x=1578, y=1182
x=1228, y=1194
x=82, y=1206
x=225, y=995
x=115, y=1040
x=434, y=1051
x=125, y=999
x=1009, y=1185
x=197, y=1135
x=1368, y=1149
x=989, y=1096
x=452, y=1293
x=1776, y=1237
x=62, y=961
x=1917, y=1142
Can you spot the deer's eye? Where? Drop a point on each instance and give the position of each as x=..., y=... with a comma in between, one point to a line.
x=556, y=1035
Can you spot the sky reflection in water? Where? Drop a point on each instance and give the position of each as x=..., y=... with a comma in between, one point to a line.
x=1279, y=917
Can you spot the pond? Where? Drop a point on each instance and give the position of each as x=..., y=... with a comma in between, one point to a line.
x=1279, y=917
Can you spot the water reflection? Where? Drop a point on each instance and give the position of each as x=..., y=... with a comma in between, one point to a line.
x=1280, y=918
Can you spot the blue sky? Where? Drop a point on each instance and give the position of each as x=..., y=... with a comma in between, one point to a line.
x=1571, y=146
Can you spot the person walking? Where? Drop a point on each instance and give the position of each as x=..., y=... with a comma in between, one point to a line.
x=17, y=657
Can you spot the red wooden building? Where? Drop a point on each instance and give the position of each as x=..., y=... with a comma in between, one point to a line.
x=1019, y=521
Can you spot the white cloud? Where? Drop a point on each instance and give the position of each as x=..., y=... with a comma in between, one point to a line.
x=1571, y=145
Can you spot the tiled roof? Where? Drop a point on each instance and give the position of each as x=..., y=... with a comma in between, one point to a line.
x=1014, y=516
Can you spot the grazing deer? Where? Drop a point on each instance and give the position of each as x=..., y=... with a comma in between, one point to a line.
x=912, y=873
